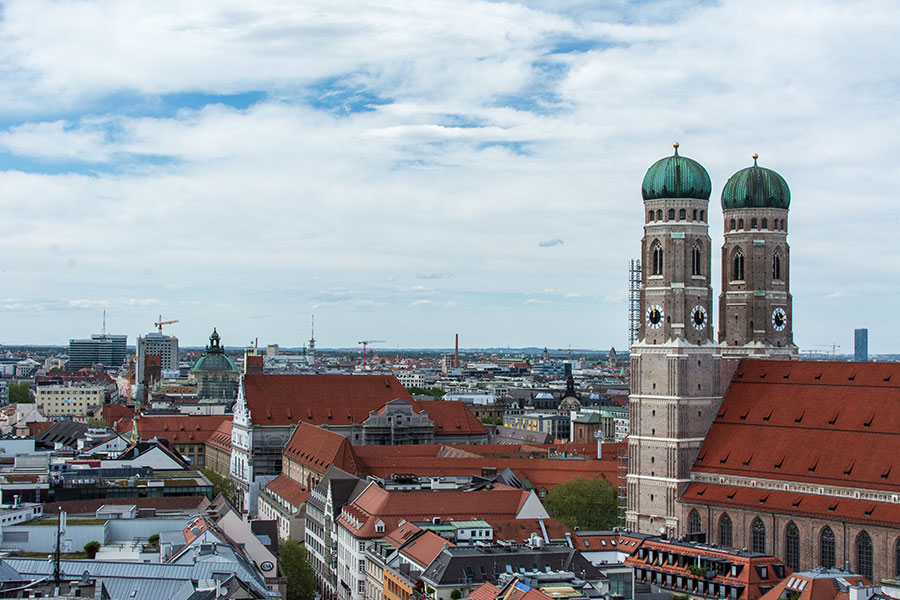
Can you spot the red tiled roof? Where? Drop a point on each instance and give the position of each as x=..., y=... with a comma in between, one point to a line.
x=36, y=428
x=808, y=422
x=180, y=429
x=114, y=412
x=485, y=591
x=794, y=503
x=542, y=472
x=452, y=417
x=520, y=530
x=375, y=503
x=821, y=586
x=221, y=437
x=402, y=534
x=319, y=399
x=318, y=449
x=424, y=548
x=288, y=489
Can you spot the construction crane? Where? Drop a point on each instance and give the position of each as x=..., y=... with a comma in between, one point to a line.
x=160, y=323
x=564, y=349
x=365, y=344
x=834, y=348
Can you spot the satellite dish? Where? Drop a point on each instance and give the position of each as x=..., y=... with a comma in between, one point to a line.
x=86, y=576
x=662, y=531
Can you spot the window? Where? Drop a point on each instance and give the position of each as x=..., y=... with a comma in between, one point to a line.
x=758, y=536
x=740, y=223
x=725, y=531
x=657, y=253
x=650, y=216
x=361, y=586
x=695, y=260
x=897, y=558
x=695, y=214
x=864, y=554
x=362, y=566
x=776, y=265
x=792, y=546
x=695, y=525
x=671, y=214
x=702, y=215
x=659, y=215
x=682, y=215
x=737, y=271
x=752, y=223
x=765, y=223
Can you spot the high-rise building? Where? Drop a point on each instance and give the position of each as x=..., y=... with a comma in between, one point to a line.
x=861, y=345
x=155, y=344
x=102, y=349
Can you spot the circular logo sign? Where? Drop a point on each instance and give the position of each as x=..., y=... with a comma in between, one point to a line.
x=267, y=566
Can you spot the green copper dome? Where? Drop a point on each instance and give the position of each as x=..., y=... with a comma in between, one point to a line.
x=676, y=177
x=756, y=187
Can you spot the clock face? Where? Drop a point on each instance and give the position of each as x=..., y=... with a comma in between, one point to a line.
x=779, y=319
x=698, y=317
x=654, y=316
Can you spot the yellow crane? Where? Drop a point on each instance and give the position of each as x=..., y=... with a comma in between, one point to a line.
x=159, y=324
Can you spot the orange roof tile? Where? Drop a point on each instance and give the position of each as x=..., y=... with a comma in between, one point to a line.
x=181, y=429
x=288, y=489
x=318, y=449
x=452, y=417
x=319, y=399
x=485, y=591
x=221, y=437
x=424, y=548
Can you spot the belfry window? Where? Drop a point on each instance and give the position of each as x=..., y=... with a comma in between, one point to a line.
x=737, y=271
x=740, y=223
x=695, y=260
x=657, y=253
x=702, y=215
x=671, y=214
x=752, y=223
x=776, y=266
x=731, y=225
x=682, y=215
x=765, y=223
x=659, y=215
x=695, y=214
x=650, y=216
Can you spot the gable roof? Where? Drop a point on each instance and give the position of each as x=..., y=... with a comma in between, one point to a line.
x=818, y=584
x=319, y=399
x=424, y=548
x=317, y=449
x=290, y=490
x=180, y=429
x=808, y=422
x=221, y=437
x=452, y=417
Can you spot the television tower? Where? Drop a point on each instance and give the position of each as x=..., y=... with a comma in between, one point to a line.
x=311, y=353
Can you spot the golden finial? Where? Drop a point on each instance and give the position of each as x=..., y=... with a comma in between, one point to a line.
x=675, y=145
x=755, y=156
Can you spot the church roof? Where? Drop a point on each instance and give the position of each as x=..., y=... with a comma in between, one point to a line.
x=808, y=422
x=676, y=177
x=756, y=187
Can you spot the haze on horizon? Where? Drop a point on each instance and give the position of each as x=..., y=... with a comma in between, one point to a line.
x=407, y=172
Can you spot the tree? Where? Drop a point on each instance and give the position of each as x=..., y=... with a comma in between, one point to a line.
x=153, y=540
x=301, y=580
x=417, y=391
x=18, y=393
x=590, y=504
x=221, y=485
x=91, y=549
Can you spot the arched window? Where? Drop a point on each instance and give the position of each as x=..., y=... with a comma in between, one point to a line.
x=740, y=223
x=731, y=225
x=659, y=215
x=776, y=265
x=695, y=214
x=792, y=546
x=897, y=558
x=650, y=216
x=725, y=531
x=671, y=214
x=702, y=214
x=758, y=536
x=864, y=554
x=657, y=258
x=826, y=548
x=737, y=271
x=695, y=259
x=682, y=215
x=765, y=223
x=752, y=223
x=695, y=525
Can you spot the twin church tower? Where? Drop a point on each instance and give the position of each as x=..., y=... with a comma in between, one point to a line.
x=679, y=370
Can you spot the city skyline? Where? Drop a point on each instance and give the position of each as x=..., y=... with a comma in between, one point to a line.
x=409, y=173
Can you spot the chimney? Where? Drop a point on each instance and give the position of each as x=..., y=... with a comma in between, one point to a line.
x=456, y=354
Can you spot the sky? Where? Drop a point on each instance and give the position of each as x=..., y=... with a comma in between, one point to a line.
x=406, y=171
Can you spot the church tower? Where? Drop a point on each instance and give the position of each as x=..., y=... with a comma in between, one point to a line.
x=755, y=317
x=675, y=385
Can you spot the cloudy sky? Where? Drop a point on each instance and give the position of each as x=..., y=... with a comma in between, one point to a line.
x=409, y=170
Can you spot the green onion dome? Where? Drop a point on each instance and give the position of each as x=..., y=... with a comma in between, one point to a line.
x=676, y=177
x=756, y=187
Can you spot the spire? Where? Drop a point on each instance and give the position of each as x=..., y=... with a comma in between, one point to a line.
x=675, y=145
x=755, y=156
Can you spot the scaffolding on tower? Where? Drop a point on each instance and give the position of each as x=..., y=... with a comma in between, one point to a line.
x=634, y=300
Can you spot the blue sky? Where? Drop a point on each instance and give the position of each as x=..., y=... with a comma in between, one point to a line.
x=407, y=172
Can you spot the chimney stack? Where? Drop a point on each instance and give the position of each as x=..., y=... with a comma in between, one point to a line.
x=456, y=354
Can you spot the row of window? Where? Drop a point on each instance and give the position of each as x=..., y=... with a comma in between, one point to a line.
x=657, y=259
x=777, y=224
x=737, y=269
x=682, y=215
x=863, y=548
